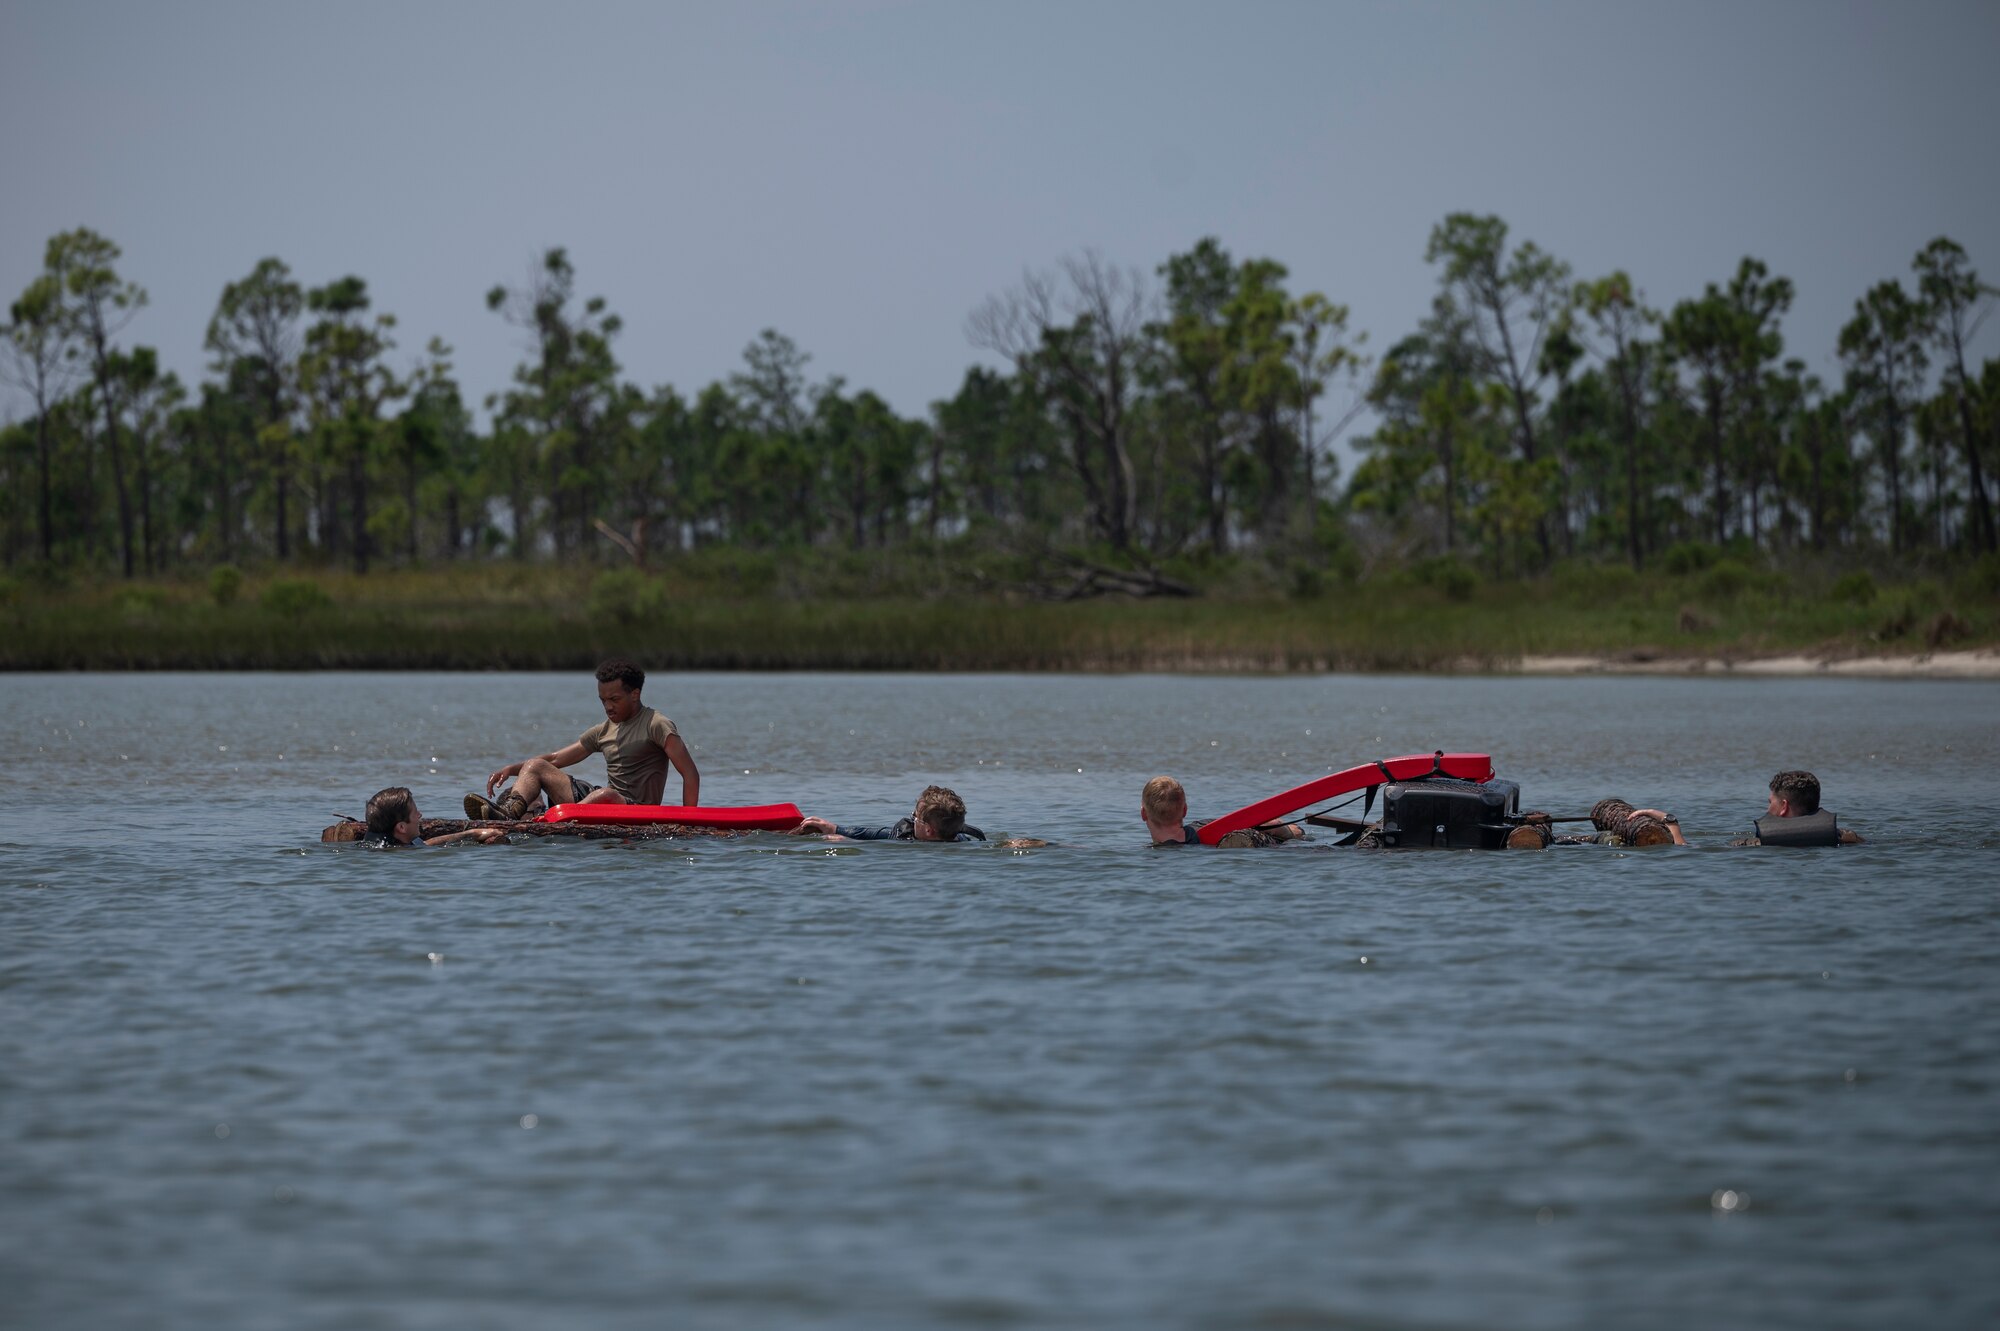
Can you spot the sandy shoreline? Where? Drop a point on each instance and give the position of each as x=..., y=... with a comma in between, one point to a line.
x=1982, y=663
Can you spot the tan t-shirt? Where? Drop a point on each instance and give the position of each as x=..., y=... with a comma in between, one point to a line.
x=635, y=755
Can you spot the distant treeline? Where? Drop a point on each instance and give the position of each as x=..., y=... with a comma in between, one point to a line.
x=1180, y=415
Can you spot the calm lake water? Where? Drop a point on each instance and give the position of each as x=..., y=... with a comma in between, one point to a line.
x=250, y=1081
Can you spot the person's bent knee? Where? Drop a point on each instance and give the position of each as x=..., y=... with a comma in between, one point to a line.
x=553, y=781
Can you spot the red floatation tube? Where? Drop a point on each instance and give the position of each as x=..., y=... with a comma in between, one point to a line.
x=1466, y=766
x=732, y=817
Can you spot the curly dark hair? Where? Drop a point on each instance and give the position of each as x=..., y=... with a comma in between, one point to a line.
x=1801, y=788
x=618, y=668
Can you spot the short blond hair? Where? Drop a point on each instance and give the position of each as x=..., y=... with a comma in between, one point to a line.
x=1163, y=799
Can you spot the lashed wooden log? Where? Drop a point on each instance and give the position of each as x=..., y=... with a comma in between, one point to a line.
x=1533, y=833
x=1619, y=819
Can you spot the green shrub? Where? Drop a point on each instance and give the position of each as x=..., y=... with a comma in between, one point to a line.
x=294, y=597
x=1727, y=580
x=225, y=584
x=1595, y=582
x=1454, y=577
x=1899, y=624
x=1982, y=579
x=624, y=596
x=142, y=600
x=10, y=589
x=754, y=572
x=1856, y=588
x=1688, y=557
x=45, y=576
x=1307, y=582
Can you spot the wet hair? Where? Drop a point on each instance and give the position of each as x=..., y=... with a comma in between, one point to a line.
x=618, y=668
x=1162, y=798
x=942, y=809
x=388, y=807
x=1801, y=789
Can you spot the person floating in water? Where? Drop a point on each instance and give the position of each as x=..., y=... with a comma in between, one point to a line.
x=1163, y=806
x=393, y=820
x=637, y=742
x=1792, y=816
x=938, y=816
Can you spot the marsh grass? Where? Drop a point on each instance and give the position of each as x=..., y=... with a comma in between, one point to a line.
x=760, y=612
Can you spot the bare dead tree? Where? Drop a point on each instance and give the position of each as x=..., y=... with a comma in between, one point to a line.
x=1076, y=335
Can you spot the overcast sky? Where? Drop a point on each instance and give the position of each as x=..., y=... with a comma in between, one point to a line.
x=861, y=175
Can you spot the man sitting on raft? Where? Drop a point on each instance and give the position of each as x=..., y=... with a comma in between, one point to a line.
x=393, y=820
x=636, y=741
x=939, y=816
x=1163, y=806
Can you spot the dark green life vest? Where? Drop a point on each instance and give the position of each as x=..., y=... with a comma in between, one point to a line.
x=1812, y=829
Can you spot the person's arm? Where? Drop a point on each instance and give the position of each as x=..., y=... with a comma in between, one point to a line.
x=485, y=836
x=683, y=761
x=1673, y=824
x=567, y=756
x=817, y=827
x=1284, y=831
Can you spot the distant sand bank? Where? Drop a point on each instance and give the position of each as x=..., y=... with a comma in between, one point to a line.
x=1982, y=663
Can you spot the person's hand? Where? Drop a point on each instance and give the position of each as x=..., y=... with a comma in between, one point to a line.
x=813, y=827
x=1665, y=819
x=488, y=836
x=511, y=769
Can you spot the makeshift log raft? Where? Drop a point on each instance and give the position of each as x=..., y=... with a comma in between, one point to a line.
x=1616, y=821
x=622, y=822
x=1439, y=801
x=436, y=827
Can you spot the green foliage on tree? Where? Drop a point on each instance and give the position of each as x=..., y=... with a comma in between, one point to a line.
x=1127, y=428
